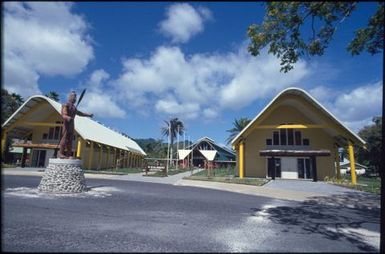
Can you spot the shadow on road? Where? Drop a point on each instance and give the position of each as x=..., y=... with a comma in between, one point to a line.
x=352, y=216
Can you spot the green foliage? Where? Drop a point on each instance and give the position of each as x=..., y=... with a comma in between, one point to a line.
x=238, y=127
x=152, y=147
x=370, y=38
x=283, y=24
x=173, y=128
x=225, y=175
x=372, y=134
x=9, y=104
x=367, y=184
x=53, y=95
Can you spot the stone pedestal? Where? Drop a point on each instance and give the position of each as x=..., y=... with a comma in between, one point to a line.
x=63, y=176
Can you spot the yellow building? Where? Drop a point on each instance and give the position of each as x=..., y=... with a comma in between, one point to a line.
x=38, y=123
x=294, y=137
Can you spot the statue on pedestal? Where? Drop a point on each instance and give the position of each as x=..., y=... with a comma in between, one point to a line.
x=68, y=112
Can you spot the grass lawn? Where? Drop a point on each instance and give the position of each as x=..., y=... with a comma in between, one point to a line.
x=364, y=183
x=3, y=165
x=225, y=175
x=170, y=172
x=113, y=171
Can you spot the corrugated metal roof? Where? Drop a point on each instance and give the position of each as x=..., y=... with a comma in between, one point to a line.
x=307, y=96
x=87, y=128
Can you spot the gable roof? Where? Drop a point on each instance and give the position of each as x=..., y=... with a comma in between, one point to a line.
x=312, y=100
x=211, y=142
x=87, y=128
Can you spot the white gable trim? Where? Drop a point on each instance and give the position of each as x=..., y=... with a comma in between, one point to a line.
x=312, y=99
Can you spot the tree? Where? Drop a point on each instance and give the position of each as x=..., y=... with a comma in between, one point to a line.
x=284, y=23
x=172, y=128
x=9, y=104
x=371, y=156
x=239, y=125
x=53, y=95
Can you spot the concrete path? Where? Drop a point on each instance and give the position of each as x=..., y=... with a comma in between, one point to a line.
x=250, y=190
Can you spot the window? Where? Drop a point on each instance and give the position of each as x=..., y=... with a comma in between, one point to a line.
x=290, y=137
x=276, y=138
x=283, y=136
x=306, y=142
x=50, y=135
x=45, y=135
x=268, y=142
x=57, y=131
x=298, y=138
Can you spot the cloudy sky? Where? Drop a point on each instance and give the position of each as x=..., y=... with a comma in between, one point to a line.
x=143, y=63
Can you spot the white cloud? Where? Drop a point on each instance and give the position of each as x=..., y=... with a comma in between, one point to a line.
x=99, y=100
x=42, y=39
x=354, y=108
x=97, y=77
x=184, y=21
x=171, y=107
x=201, y=84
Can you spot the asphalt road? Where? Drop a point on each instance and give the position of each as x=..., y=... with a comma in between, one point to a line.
x=128, y=216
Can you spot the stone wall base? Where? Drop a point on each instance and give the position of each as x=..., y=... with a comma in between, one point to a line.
x=63, y=176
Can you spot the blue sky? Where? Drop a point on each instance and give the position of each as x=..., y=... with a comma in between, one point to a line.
x=143, y=63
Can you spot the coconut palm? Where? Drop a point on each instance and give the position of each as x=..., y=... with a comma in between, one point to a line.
x=239, y=125
x=172, y=128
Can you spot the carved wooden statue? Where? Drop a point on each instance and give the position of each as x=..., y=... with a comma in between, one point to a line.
x=68, y=112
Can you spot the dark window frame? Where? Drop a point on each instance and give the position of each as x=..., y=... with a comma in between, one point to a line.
x=276, y=138
x=283, y=137
x=298, y=138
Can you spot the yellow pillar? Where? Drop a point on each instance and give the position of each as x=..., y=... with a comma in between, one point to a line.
x=91, y=153
x=108, y=157
x=352, y=163
x=337, y=159
x=100, y=156
x=125, y=159
x=115, y=157
x=241, y=160
x=3, y=144
x=129, y=160
x=79, y=148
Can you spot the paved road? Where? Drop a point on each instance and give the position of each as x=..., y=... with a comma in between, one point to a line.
x=129, y=216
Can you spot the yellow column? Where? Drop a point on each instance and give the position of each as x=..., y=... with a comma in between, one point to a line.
x=125, y=159
x=352, y=163
x=79, y=148
x=3, y=144
x=91, y=153
x=337, y=159
x=129, y=160
x=100, y=156
x=241, y=160
x=115, y=157
x=108, y=157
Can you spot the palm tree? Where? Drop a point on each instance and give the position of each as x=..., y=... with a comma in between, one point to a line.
x=53, y=95
x=173, y=128
x=239, y=125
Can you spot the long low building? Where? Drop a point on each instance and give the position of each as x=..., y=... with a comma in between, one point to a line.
x=38, y=123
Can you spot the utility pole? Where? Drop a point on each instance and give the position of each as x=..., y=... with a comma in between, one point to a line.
x=177, y=147
x=168, y=149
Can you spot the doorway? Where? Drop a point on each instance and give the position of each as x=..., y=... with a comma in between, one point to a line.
x=274, y=165
x=304, y=168
x=38, y=158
